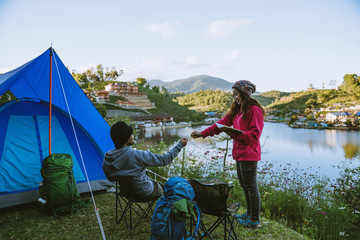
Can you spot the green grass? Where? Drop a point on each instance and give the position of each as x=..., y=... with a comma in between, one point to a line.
x=31, y=222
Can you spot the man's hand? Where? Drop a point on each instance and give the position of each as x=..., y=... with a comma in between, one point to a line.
x=184, y=141
x=195, y=134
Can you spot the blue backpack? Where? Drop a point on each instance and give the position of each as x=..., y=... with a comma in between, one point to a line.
x=164, y=226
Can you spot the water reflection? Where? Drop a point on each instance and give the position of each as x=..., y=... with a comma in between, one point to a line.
x=330, y=137
x=307, y=149
x=351, y=150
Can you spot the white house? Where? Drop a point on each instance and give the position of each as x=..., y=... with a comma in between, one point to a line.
x=340, y=116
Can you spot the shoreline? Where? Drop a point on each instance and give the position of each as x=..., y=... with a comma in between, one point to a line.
x=320, y=128
x=143, y=128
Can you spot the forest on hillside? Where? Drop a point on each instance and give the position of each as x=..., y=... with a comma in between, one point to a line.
x=347, y=93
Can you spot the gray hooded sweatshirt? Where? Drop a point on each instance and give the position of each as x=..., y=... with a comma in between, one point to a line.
x=131, y=162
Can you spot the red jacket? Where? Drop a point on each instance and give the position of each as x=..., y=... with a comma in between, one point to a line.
x=246, y=146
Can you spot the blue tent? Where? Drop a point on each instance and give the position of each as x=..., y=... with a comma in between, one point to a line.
x=24, y=140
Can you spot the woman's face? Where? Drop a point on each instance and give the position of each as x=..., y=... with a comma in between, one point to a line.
x=236, y=96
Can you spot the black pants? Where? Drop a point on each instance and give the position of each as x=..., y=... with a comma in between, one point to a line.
x=246, y=171
x=156, y=193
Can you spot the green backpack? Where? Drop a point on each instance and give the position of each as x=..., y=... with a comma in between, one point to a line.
x=58, y=187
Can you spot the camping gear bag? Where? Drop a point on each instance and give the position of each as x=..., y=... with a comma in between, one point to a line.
x=58, y=187
x=172, y=209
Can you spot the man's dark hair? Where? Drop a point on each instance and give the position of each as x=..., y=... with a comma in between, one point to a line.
x=120, y=133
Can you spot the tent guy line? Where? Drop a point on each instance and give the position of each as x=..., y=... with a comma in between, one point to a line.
x=79, y=149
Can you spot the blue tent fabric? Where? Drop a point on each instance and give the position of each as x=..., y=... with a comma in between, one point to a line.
x=32, y=81
x=24, y=140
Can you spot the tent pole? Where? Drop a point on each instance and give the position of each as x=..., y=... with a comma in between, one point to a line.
x=50, y=100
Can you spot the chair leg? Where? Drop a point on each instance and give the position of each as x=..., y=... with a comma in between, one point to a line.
x=130, y=209
x=116, y=202
x=145, y=213
x=231, y=232
x=205, y=230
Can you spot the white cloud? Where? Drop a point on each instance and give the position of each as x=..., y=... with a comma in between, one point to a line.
x=149, y=68
x=153, y=63
x=164, y=29
x=222, y=28
x=232, y=56
x=191, y=61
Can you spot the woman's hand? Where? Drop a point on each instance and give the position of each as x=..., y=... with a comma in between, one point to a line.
x=195, y=134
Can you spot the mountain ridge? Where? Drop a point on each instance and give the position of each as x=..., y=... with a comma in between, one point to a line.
x=194, y=84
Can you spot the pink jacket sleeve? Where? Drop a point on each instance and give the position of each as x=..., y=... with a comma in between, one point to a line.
x=214, y=130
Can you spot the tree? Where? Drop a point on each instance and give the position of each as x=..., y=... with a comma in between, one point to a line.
x=113, y=74
x=293, y=119
x=165, y=92
x=101, y=109
x=156, y=89
x=100, y=72
x=91, y=75
x=141, y=81
x=311, y=102
x=351, y=84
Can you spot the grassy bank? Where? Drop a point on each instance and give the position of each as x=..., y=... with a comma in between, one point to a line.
x=30, y=222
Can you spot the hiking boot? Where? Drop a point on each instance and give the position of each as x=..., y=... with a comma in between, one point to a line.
x=242, y=216
x=249, y=223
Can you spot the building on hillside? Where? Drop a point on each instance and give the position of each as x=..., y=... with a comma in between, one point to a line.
x=125, y=104
x=101, y=96
x=210, y=113
x=337, y=116
x=154, y=118
x=123, y=88
x=272, y=118
x=89, y=95
x=356, y=107
x=302, y=118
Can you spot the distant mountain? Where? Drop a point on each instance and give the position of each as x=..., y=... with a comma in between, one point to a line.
x=194, y=84
x=156, y=82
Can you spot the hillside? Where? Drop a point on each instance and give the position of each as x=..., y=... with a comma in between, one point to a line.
x=313, y=99
x=269, y=97
x=220, y=101
x=194, y=84
x=166, y=105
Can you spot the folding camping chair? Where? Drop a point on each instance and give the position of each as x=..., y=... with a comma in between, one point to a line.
x=128, y=208
x=211, y=195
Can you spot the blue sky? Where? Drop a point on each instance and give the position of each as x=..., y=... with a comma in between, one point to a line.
x=279, y=44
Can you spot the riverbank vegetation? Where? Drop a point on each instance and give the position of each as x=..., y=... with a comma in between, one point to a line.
x=31, y=222
x=310, y=205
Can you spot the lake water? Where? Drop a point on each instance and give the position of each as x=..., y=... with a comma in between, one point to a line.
x=309, y=151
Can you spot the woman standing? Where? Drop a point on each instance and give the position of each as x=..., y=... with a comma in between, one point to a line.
x=247, y=115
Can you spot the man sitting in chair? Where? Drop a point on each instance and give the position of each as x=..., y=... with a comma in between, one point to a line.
x=124, y=162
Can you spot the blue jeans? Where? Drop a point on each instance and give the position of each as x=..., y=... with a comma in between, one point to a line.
x=246, y=171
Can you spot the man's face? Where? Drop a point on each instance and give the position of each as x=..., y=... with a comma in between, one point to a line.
x=131, y=141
